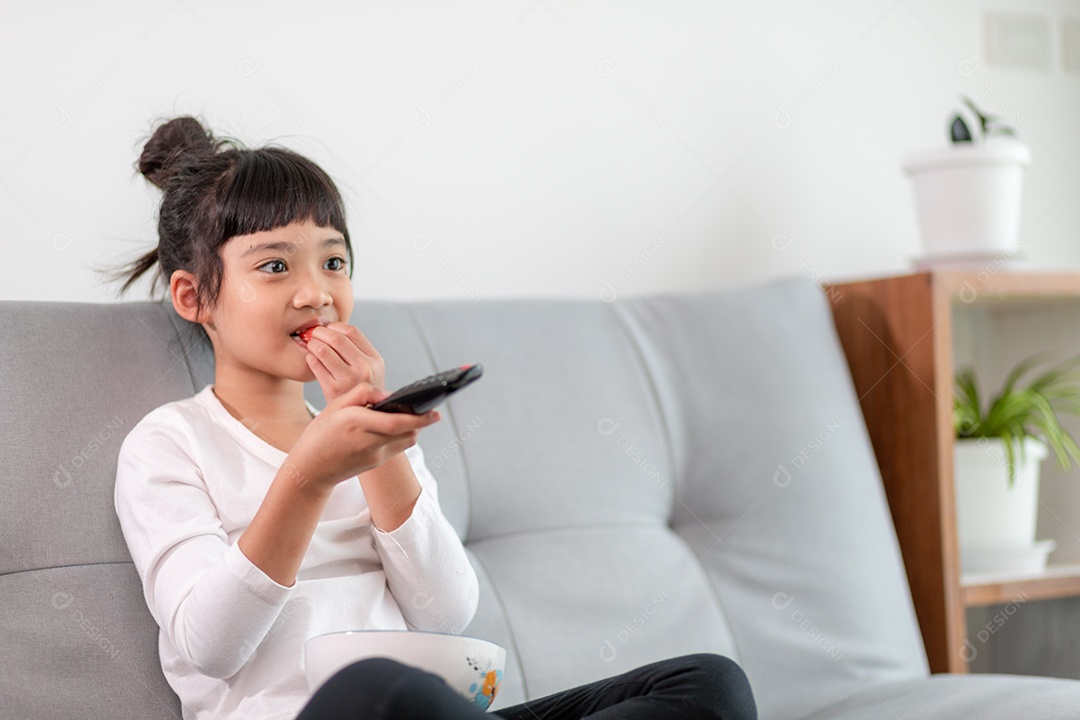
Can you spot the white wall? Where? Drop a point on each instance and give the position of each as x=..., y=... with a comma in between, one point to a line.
x=551, y=147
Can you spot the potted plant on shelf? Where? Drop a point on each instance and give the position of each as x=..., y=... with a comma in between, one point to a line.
x=968, y=194
x=998, y=451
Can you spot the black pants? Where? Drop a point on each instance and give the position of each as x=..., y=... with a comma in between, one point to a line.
x=693, y=687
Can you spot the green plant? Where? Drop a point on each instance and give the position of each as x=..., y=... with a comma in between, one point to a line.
x=1022, y=410
x=989, y=125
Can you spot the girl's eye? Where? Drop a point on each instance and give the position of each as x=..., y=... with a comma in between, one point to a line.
x=335, y=263
x=274, y=266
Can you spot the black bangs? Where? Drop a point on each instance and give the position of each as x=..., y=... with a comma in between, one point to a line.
x=269, y=188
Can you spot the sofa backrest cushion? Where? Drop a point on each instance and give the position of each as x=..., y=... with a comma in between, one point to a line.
x=572, y=536
x=778, y=492
x=78, y=640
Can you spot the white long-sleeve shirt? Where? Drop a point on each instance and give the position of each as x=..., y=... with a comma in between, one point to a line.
x=189, y=480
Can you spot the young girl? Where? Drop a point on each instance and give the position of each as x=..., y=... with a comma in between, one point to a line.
x=256, y=523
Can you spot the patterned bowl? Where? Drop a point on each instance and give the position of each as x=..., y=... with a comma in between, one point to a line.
x=471, y=666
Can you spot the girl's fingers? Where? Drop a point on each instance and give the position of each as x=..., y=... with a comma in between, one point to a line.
x=362, y=394
x=331, y=359
x=333, y=386
x=354, y=347
x=395, y=424
x=358, y=338
x=341, y=349
x=322, y=375
x=348, y=342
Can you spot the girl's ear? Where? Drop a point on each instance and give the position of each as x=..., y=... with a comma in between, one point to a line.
x=184, y=291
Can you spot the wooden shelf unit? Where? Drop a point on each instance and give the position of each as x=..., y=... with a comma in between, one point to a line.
x=1055, y=582
x=898, y=336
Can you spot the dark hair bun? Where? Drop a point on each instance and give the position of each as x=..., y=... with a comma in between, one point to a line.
x=171, y=141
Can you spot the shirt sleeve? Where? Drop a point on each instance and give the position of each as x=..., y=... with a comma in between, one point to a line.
x=426, y=567
x=213, y=605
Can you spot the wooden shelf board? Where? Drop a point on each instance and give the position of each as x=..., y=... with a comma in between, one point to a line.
x=1054, y=582
x=970, y=286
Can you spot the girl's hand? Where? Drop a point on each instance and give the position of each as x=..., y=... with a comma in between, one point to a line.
x=341, y=358
x=347, y=439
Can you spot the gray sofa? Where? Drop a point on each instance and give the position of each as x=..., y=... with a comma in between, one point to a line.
x=634, y=480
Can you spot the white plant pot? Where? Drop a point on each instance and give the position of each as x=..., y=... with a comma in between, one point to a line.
x=968, y=199
x=995, y=518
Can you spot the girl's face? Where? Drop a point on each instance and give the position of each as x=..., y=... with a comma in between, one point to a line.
x=274, y=284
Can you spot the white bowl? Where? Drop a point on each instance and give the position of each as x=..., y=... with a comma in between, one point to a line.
x=471, y=666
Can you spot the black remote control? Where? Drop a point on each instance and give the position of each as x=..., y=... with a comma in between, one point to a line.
x=419, y=397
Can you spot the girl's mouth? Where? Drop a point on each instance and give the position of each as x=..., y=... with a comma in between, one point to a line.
x=303, y=335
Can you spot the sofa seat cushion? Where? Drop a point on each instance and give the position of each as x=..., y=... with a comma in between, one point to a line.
x=947, y=697
x=78, y=642
x=582, y=604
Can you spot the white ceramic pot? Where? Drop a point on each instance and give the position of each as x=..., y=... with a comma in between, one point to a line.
x=968, y=199
x=995, y=518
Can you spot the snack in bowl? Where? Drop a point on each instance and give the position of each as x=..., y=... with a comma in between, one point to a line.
x=471, y=666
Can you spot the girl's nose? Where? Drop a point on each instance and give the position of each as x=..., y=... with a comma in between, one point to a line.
x=312, y=292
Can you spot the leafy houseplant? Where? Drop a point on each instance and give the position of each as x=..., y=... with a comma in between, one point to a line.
x=999, y=447
x=989, y=126
x=968, y=194
x=1023, y=411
